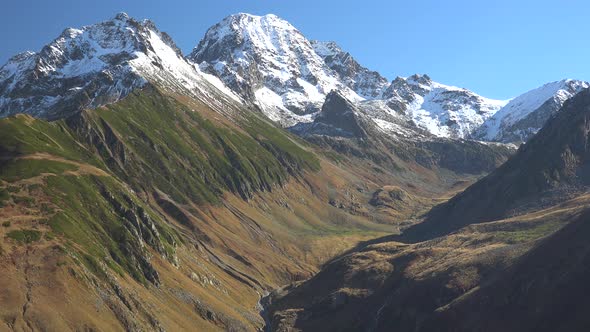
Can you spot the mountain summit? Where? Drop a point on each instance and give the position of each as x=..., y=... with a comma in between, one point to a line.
x=93, y=66
x=267, y=60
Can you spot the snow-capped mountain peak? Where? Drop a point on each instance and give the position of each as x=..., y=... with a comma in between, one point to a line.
x=442, y=110
x=270, y=63
x=524, y=115
x=267, y=60
x=262, y=60
x=96, y=65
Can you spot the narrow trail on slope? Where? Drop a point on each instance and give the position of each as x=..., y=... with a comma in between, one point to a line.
x=28, y=285
x=83, y=169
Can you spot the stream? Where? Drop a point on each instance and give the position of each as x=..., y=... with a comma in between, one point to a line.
x=261, y=306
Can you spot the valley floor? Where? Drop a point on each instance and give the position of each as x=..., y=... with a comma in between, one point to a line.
x=241, y=250
x=391, y=284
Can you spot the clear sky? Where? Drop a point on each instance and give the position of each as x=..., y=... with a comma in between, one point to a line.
x=497, y=48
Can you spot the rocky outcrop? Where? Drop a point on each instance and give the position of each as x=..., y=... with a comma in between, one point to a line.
x=339, y=118
x=366, y=83
x=139, y=228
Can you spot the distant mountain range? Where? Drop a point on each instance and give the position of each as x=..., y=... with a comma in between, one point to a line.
x=268, y=63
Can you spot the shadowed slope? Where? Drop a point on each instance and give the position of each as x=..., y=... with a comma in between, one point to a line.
x=545, y=291
x=552, y=166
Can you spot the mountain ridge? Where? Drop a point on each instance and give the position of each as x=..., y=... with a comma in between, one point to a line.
x=97, y=65
x=258, y=60
x=290, y=78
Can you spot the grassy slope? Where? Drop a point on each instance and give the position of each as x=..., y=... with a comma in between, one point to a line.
x=149, y=193
x=545, y=290
x=187, y=156
x=389, y=285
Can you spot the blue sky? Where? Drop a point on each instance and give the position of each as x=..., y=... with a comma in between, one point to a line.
x=496, y=48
